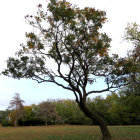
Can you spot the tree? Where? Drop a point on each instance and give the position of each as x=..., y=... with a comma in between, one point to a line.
x=100, y=105
x=71, y=38
x=132, y=34
x=129, y=101
x=16, y=104
x=46, y=112
x=114, y=110
x=30, y=115
x=70, y=113
x=4, y=119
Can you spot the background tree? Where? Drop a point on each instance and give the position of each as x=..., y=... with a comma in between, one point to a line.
x=70, y=37
x=100, y=105
x=30, y=116
x=131, y=93
x=129, y=102
x=4, y=118
x=47, y=112
x=69, y=112
x=113, y=109
x=16, y=105
x=132, y=34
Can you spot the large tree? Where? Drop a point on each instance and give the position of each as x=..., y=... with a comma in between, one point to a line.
x=47, y=112
x=132, y=35
x=70, y=37
x=16, y=105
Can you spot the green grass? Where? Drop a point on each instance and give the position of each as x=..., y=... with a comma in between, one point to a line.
x=67, y=132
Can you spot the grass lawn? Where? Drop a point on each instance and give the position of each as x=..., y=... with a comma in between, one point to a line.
x=67, y=132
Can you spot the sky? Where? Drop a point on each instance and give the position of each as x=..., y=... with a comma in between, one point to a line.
x=12, y=34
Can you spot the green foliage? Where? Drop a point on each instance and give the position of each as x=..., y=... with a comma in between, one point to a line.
x=47, y=112
x=129, y=99
x=70, y=113
x=4, y=118
x=29, y=116
x=5, y=122
x=132, y=35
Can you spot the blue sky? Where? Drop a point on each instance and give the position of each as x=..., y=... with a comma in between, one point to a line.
x=12, y=33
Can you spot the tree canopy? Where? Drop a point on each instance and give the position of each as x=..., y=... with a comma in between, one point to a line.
x=70, y=37
x=132, y=35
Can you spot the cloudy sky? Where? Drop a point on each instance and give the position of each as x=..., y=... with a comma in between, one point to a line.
x=12, y=33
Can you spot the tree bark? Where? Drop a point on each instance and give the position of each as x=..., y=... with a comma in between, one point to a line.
x=95, y=117
x=15, y=122
x=46, y=122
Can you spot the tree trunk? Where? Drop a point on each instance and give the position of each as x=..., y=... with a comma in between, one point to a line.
x=95, y=117
x=46, y=122
x=15, y=123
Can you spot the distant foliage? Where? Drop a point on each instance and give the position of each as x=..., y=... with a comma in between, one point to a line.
x=47, y=112
x=70, y=113
x=120, y=108
x=4, y=119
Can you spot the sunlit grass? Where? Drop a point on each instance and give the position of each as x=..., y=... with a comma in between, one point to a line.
x=67, y=132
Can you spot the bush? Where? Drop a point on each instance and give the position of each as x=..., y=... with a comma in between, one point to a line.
x=5, y=122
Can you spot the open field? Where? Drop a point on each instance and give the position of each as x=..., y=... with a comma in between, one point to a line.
x=67, y=132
